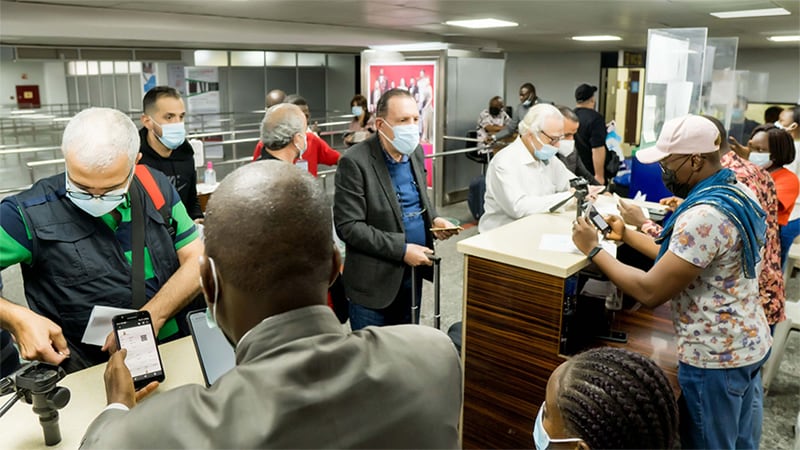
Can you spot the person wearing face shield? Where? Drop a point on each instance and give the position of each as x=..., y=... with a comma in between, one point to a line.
x=164, y=146
x=71, y=233
x=526, y=177
x=566, y=147
x=707, y=260
x=384, y=216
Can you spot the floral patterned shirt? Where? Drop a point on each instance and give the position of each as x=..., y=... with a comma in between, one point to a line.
x=485, y=118
x=770, y=279
x=718, y=318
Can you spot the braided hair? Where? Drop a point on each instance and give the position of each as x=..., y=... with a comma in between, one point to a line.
x=614, y=398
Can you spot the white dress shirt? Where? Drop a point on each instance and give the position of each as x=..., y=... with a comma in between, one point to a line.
x=518, y=185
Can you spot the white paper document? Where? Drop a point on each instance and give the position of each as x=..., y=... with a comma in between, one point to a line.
x=563, y=243
x=100, y=324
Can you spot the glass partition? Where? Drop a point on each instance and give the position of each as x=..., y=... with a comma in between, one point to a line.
x=674, y=77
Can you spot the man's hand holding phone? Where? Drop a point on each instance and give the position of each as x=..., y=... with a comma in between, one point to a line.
x=442, y=228
x=119, y=383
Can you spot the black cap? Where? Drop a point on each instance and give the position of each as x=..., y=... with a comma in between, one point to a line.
x=584, y=92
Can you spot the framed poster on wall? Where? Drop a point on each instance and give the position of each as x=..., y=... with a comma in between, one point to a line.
x=419, y=79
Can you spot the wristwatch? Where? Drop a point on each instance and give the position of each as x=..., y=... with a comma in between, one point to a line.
x=594, y=252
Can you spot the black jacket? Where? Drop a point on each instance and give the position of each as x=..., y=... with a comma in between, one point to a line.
x=77, y=261
x=369, y=220
x=179, y=169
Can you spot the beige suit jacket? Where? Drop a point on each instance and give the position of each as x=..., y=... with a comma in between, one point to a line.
x=302, y=382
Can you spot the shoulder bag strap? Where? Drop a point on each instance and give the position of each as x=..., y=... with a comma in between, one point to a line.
x=137, y=247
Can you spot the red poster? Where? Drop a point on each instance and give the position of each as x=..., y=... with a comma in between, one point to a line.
x=419, y=79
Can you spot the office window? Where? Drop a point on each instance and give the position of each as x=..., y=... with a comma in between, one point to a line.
x=251, y=59
x=217, y=58
x=310, y=59
x=280, y=59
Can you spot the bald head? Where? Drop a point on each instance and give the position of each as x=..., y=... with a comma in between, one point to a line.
x=268, y=227
x=275, y=97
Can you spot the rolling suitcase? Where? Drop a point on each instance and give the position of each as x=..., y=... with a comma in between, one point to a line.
x=415, y=302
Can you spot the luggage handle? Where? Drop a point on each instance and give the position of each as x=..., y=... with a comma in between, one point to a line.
x=415, y=303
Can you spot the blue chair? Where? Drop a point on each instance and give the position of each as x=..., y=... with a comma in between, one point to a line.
x=647, y=179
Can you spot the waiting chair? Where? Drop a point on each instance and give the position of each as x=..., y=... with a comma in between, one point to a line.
x=782, y=330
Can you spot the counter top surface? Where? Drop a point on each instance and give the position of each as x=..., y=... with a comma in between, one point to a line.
x=519, y=243
x=20, y=426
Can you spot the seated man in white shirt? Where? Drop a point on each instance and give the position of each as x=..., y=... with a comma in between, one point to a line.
x=526, y=177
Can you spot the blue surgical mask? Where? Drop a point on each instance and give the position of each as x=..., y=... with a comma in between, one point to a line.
x=540, y=437
x=211, y=313
x=406, y=138
x=96, y=206
x=546, y=152
x=737, y=115
x=760, y=159
x=357, y=110
x=172, y=134
x=305, y=146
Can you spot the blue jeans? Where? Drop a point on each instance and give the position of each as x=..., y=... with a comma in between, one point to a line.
x=398, y=312
x=788, y=232
x=718, y=407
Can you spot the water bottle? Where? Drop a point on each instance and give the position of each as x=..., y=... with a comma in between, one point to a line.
x=210, y=176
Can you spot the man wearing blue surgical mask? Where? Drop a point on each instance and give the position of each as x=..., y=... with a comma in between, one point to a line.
x=383, y=215
x=72, y=234
x=527, y=177
x=527, y=99
x=164, y=146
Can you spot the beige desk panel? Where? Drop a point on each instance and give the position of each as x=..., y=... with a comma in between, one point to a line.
x=20, y=427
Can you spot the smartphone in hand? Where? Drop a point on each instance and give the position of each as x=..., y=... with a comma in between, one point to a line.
x=134, y=332
x=594, y=216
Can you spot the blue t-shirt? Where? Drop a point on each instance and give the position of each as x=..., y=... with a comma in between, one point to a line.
x=408, y=197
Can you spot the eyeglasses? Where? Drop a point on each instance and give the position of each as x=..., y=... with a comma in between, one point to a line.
x=664, y=168
x=553, y=140
x=114, y=195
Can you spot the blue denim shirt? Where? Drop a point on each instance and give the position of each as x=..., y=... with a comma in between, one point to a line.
x=405, y=186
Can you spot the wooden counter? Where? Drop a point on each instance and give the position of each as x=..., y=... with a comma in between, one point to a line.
x=513, y=300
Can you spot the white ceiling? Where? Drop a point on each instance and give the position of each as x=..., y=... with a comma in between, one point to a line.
x=545, y=25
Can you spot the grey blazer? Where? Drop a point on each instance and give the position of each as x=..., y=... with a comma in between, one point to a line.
x=369, y=220
x=300, y=381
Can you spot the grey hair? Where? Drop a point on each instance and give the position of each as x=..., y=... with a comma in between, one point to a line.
x=568, y=113
x=536, y=117
x=279, y=127
x=97, y=137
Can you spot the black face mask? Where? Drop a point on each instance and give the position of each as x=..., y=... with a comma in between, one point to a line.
x=494, y=111
x=679, y=189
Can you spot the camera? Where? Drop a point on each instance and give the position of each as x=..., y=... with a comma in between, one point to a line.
x=37, y=384
x=581, y=186
x=579, y=183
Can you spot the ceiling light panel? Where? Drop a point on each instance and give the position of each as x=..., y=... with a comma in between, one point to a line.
x=751, y=13
x=481, y=23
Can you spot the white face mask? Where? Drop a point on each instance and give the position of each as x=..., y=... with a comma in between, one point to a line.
x=211, y=313
x=760, y=159
x=566, y=147
x=540, y=437
x=96, y=205
x=305, y=146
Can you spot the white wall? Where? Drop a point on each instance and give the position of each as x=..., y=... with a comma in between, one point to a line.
x=11, y=73
x=55, y=81
x=783, y=66
x=555, y=75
